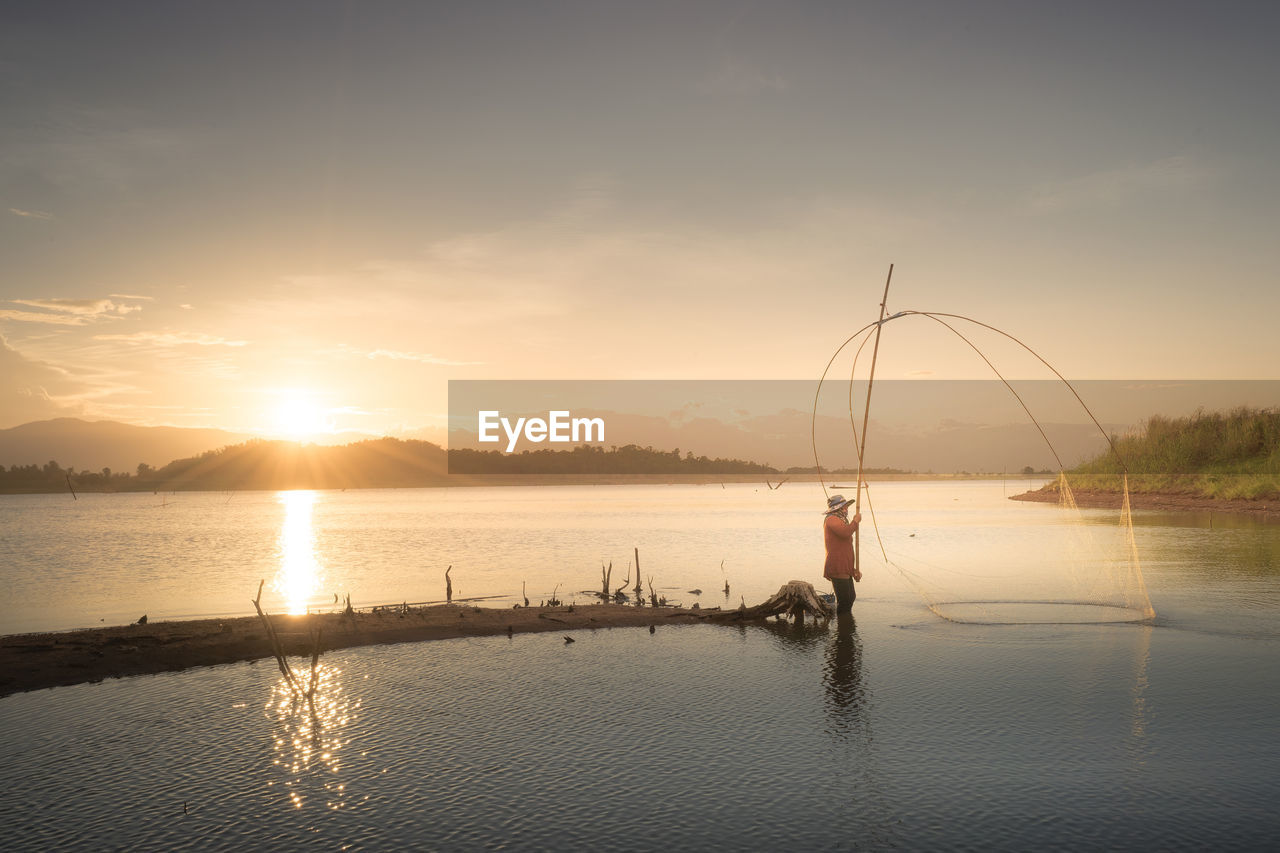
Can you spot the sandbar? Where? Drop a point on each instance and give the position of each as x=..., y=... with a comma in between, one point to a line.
x=37, y=661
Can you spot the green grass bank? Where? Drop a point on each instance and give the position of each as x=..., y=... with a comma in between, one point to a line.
x=1231, y=455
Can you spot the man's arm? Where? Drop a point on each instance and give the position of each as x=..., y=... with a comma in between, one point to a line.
x=843, y=529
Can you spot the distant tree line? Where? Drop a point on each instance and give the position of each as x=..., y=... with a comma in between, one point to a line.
x=589, y=459
x=51, y=477
x=812, y=469
x=379, y=463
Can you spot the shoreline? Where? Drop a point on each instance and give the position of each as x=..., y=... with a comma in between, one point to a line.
x=90, y=655
x=772, y=481
x=1159, y=501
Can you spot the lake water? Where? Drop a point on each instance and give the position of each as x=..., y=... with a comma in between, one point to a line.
x=108, y=559
x=897, y=730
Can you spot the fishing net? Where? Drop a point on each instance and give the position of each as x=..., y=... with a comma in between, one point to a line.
x=1054, y=565
x=1064, y=565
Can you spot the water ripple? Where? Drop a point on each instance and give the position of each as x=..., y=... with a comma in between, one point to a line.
x=852, y=736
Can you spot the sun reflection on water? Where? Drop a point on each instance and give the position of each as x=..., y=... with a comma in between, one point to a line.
x=299, y=577
x=310, y=736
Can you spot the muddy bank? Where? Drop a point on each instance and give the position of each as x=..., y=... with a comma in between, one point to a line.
x=1166, y=502
x=35, y=661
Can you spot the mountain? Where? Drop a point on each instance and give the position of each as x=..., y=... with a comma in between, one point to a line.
x=377, y=463
x=94, y=445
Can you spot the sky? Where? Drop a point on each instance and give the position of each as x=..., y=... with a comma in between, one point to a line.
x=294, y=217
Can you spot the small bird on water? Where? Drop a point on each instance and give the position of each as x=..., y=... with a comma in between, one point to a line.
x=568, y=639
x=652, y=629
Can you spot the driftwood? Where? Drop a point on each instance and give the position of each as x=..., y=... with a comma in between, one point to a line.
x=406, y=606
x=309, y=692
x=794, y=598
x=285, y=669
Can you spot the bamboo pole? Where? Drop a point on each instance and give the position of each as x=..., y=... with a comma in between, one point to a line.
x=866, y=415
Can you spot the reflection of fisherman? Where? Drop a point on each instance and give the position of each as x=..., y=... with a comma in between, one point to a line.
x=837, y=532
x=846, y=696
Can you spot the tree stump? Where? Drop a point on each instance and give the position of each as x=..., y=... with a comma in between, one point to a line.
x=794, y=598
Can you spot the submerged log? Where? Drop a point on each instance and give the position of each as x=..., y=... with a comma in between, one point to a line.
x=794, y=598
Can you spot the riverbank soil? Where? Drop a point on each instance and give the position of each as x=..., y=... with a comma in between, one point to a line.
x=35, y=661
x=1094, y=498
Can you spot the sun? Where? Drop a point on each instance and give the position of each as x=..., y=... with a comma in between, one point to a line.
x=297, y=417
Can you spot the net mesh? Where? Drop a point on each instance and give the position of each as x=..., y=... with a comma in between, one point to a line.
x=1071, y=566
x=1077, y=567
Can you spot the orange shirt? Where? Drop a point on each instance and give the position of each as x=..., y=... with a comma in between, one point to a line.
x=838, y=536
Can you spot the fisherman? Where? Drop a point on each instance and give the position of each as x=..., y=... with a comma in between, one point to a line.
x=837, y=533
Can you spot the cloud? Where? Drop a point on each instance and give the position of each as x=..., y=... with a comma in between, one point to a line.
x=34, y=317
x=33, y=390
x=30, y=214
x=81, y=307
x=421, y=357
x=131, y=296
x=1117, y=185
x=173, y=339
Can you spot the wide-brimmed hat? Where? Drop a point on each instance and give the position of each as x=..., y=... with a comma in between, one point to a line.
x=835, y=503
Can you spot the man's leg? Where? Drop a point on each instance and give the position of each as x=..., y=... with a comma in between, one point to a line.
x=845, y=594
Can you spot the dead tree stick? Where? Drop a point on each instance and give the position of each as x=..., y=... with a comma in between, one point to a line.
x=285, y=669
